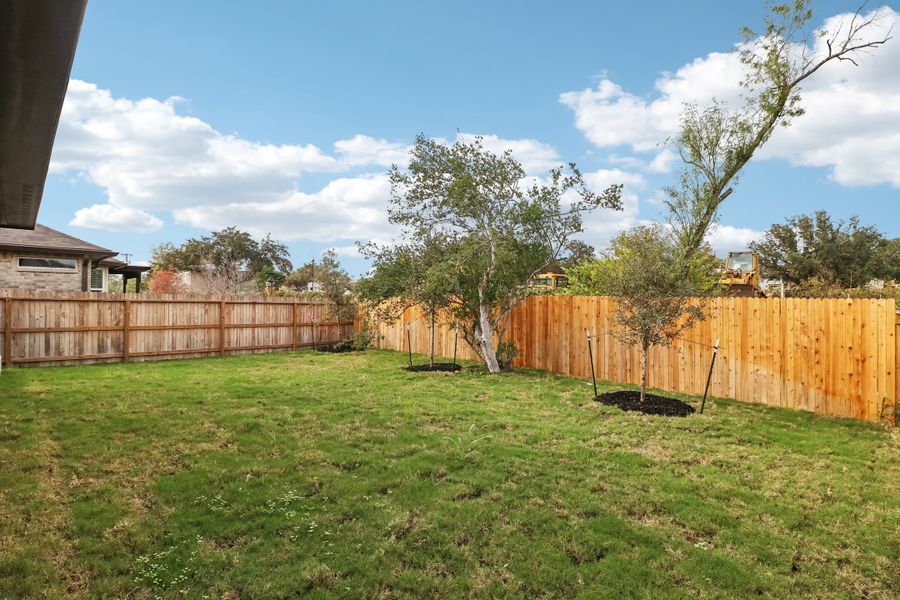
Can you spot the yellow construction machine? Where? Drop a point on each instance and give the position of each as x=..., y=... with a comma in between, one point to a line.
x=547, y=282
x=741, y=277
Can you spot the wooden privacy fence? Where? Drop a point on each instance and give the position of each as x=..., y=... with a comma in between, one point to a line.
x=830, y=356
x=76, y=327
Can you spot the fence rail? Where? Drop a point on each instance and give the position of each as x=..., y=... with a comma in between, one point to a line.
x=830, y=356
x=78, y=328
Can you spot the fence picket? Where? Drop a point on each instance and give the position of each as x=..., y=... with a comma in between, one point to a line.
x=830, y=356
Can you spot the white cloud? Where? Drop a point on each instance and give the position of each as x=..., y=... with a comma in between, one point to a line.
x=726, y=238
x=536, y=157
x=601, y=225
x=351, y=251
x=851, y=125
x=365, y=150
x=149, y=158
x=115, y=218
x=346, y=208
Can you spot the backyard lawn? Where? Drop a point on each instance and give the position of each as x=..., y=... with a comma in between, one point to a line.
x=324, y=475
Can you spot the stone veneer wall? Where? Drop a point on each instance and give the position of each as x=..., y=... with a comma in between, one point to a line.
x=57, y=281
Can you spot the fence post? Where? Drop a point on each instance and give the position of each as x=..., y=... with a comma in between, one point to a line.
x=294, y=307
x=222, y=327
x=7, y=331
x=126, y=330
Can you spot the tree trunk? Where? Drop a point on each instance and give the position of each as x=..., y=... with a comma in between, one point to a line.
x=431, y=364
x=643, y=372
x=486, y=339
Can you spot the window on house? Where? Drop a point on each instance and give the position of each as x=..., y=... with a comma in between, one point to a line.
x=97, y=280
x=57, y=264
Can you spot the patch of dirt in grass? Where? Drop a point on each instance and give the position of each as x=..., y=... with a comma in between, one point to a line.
x=630, y=400
x=336, y=348
x=436, y=367
x=469, y=493
x=403, y=526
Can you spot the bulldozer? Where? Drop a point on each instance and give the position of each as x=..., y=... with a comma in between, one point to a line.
x=741, y=277
x=547, y=282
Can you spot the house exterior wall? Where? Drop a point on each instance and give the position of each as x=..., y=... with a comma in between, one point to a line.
x=12, y=277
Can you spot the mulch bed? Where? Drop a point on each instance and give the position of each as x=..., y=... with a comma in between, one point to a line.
x=445, y=367
x=652, y=404
x=334, y=348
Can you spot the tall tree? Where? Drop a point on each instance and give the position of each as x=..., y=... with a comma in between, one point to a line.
x=500, y=232
x=230, y=256
x=889, y=260
x=717, y=142
x=841, y=253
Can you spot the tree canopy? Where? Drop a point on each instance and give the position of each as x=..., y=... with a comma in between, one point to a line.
x=229, y=254
x=408, y=275
x=715, y=143
x=644, y=268
x=842, y=253
x=496, y=230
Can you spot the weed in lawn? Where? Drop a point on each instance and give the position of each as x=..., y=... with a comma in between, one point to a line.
x=467, y=443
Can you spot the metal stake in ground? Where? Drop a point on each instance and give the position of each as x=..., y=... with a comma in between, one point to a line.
x=709, y=377
x=409, y=344
x=591, y=355
x=455, y=336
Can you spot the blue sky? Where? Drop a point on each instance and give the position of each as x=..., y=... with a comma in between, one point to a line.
x=282, y=116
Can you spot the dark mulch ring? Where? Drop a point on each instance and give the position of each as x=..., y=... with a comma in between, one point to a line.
x=652, y=404
x=342, y=347
x=446, y=367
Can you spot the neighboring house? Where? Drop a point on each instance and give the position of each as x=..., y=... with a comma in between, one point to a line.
x=214, y=281
x=46, y=259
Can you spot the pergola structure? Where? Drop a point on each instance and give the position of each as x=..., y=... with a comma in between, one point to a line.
x=118, y=267
x=37, y=47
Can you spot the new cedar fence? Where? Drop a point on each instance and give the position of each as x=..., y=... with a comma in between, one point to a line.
x=830, y=356
x=78, y=328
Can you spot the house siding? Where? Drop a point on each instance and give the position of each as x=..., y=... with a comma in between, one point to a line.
x=12, y=277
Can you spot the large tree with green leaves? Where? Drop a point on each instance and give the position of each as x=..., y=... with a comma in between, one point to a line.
x=716, y=143
x=230, y=255
x=840, y=253
x=499, y=230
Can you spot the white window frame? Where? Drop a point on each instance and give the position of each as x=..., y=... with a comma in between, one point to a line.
x=105, y=276
x=76, y=269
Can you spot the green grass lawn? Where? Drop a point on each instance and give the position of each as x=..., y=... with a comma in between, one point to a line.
x=305, y=474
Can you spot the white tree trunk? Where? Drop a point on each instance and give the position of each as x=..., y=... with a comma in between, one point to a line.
x=486, y=339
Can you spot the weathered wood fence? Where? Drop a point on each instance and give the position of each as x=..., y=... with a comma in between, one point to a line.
x=830, y=356
x=78, y=328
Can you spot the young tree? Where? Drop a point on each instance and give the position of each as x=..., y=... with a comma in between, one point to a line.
x=499, y=232
x=166, y=281
x=409, y=275
x=844, y=254
x=300, y=279
x=644, y=269
x=336, y=285
x=716, y=143
x=268, y=279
